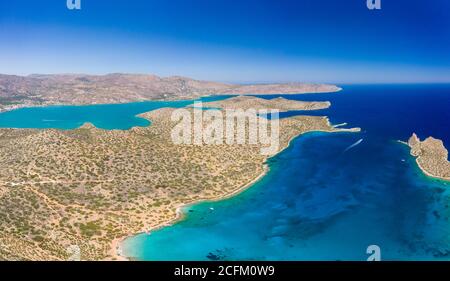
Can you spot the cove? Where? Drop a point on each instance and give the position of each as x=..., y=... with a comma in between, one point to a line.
x=104, y=116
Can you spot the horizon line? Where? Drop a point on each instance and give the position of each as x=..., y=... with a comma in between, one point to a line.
x=242, y=82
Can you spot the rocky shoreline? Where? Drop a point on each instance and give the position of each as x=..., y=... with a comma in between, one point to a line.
x=431, y=156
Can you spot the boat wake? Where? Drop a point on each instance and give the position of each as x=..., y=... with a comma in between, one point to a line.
x=353, y=145
x=340, y=125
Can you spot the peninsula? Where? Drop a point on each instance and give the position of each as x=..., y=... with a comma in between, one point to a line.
x=89, y=188
x=281, y=104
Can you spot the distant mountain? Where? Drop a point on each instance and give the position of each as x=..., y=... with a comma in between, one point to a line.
x=41, y=89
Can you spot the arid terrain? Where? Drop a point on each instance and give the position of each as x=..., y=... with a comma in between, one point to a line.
x=89, y=187
x=73, y=89
x=281, y=104
x=432, y=156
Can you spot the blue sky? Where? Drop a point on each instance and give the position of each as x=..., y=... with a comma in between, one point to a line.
x=338, y=41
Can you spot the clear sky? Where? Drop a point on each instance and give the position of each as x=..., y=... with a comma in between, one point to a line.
x=338, y=41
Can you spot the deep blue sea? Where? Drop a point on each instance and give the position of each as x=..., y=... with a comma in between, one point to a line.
x=320, y=200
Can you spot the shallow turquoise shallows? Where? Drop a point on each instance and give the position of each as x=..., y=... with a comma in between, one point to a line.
x=324, y=199
x=105, y=116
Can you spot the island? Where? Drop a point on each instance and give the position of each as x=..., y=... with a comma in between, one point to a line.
x=280, y=104
x=88, y=188
x=431, y=156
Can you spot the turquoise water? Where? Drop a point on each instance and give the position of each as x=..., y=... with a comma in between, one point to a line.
x=105, y=116
x=323, y=201
x=320, y=200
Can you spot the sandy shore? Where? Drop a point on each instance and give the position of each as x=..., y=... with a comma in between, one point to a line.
x=116, y=248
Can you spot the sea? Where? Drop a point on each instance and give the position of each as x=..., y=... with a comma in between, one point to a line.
x=327, y=197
